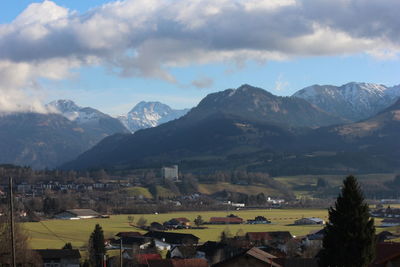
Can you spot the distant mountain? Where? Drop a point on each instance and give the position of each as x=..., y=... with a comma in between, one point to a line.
x=41, y=140
x=47, y=140
x=247, y=119
x=92, y=120
x=352, y=101
x=150, y=114
x=256, y=104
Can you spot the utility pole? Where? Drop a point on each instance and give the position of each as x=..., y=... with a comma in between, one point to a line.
x=10, y=183
x=120, y=251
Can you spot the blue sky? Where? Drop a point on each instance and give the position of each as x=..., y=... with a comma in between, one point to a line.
x=184, y=59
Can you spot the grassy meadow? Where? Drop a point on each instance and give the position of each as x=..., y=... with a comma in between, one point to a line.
x=55, y=233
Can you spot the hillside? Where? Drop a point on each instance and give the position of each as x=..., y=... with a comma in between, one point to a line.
x=227, y=131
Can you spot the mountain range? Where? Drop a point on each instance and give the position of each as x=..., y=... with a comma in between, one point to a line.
x=352, y=101
x=150, y=114
x=251, y=128
x=319, y=129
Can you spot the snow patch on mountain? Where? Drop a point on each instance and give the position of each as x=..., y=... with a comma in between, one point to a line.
x=353, y=101
x=73, y=112
x=150, y=114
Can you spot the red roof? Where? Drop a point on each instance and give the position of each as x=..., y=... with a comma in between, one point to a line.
x=226, y=220
x=144, y=258
x=386, y=252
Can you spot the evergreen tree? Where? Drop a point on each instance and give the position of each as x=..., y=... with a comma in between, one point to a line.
x=96, y=246
x=350, y=233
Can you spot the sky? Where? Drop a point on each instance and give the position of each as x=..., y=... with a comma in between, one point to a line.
x=110, y=55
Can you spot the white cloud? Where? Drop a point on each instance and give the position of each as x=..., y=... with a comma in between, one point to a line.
x=203, y=82
x=281, y=84
x=148, y=37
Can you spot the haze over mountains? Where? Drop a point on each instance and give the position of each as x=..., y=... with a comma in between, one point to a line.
x=247, y=126
x=251, y=128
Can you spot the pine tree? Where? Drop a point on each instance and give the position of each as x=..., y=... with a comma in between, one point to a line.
x=96, y=246
x=350, y=233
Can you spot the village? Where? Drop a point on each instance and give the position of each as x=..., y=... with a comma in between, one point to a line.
x=159, y=244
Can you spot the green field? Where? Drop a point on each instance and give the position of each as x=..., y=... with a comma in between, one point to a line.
x=301, y=184
x=55, y=233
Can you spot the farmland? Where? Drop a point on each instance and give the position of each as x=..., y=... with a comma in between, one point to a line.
x=55, y=233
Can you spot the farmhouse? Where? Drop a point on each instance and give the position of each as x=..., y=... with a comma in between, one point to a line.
x=226, y=220
x=253, y=257
x=76, y=214
x=309, y=220
x=259, y=220
x=173, y=238
x=59, y=257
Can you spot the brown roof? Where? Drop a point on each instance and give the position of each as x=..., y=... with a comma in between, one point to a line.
x=255, y=253
x=178, y=263
x=182, y=220
x=385, y=252
x=129, y=234
x=226, y=220
x=276, y=235
x=257, y=236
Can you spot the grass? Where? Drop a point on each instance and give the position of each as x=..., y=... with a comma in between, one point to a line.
x=295, y=183
x=55, y=233
x=137, y=191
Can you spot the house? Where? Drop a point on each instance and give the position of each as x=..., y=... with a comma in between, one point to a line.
x=131, y=241
x=226, y=220
x=275, y=236
x=215, y=252
x=390, y=222
x=173, y=238
x=309, y=220
x=276, y=239
x=386, y=235
x=59, y=257
x=183, y=221
x=178, y=263
x=141, y=259
x=259, y=220
x=129, y=234
x=76, y=214
x=253, y=257
x=183, y=252
x=177, y=223
x=387, y=254
x=156, y=226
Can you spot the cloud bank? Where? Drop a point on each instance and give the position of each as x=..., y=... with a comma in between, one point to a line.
x=147, y=38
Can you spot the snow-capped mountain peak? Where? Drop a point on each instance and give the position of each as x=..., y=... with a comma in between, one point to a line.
x=149, y=114
x=354, y=101
x=73, y=112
